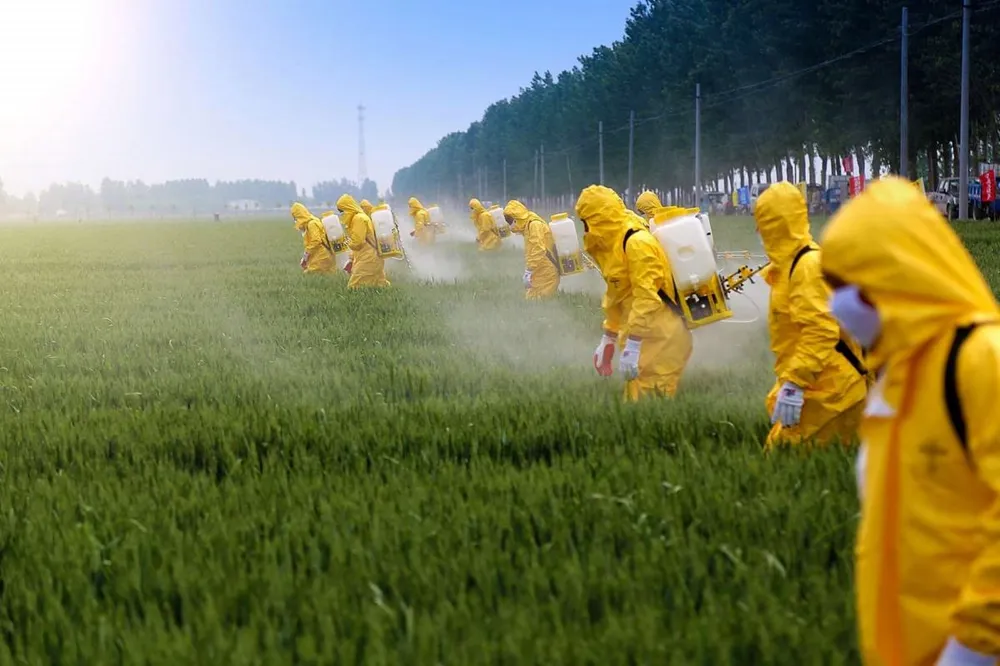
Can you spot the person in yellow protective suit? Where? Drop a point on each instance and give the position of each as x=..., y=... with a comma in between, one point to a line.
x=927, y=567
x=541, y=274
x=367, y=207
x=647, y=204
x=821, y=379
x=367, y=268
x=318, y=255
x=640, y=309
x=423, y=229
x=486, y=230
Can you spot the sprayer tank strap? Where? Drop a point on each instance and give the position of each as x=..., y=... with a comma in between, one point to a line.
x=555, y=262
x=841, y=347
x=670, y=302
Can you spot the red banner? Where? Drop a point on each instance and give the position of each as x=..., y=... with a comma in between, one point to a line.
x=848, y=163
x=856, y=185
x=988, y=182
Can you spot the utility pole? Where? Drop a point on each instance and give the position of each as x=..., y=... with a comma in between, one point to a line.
x=631, y=152
x=904, y=96
x=600, y=149
x=542, y=158
x=534, y=184
x=697, y=145
x=504, y=202
x=569, y=174
x=963, y=157
x=362, y=161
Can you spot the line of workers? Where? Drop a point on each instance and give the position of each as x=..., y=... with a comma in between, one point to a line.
x=889, y=331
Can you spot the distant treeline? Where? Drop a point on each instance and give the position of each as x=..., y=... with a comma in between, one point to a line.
x=182, y=197
x=786, y=86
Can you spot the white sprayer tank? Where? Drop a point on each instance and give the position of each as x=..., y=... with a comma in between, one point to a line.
x=437, y=217
x=689, y=251
x=567, y=242
x=503, y=229
x=707, y=226
x=386, y=239
x=338, y=239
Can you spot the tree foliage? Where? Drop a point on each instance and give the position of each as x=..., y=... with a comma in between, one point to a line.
x=783, y=82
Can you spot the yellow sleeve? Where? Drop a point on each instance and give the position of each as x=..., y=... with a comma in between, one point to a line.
x=484, y=226
x=421, y=219
x=809, y=308
x=315, y=235
x=536, y=255
x=358, y=232
x=975, y=619
x=647, y=273
x=611, y=303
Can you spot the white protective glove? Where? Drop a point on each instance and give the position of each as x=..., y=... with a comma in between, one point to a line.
x=527, y=279
x=604, y=353
x=956, y=654
x=788, y=406
x=628, y=363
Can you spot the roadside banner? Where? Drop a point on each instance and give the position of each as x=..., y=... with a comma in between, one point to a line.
x=988, y=182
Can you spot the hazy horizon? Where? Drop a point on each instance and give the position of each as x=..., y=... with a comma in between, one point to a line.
x=158, y=90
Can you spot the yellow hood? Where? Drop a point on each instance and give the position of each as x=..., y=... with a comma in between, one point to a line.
x=348, y=208
x=476, y=209
x=605, y=219
x=301, y=215
x=647, y=204
x=414, y=205
x=896, y=248
x=517, y=210
x=783, y=222
x=367, y=207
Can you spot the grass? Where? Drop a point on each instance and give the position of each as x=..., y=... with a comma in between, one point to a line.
x=210, y=458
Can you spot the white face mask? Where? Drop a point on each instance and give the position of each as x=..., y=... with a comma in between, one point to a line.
x=855, y=316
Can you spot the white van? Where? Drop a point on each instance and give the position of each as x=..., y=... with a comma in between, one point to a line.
x=756, y=190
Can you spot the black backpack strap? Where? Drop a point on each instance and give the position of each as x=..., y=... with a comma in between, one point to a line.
x=670, y=302
x=841, y=347
x=951, y=399
x=798, y=255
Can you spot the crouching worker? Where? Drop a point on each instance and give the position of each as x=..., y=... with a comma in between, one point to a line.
x=821, y=379
x=927, y=559
x=318, y=255
x=423, y=230
x=638, y=311
x=541, y=273
x=647, y=204
x=367, y=268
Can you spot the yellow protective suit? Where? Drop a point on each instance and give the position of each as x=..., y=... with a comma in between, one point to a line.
x=928, y=546
x=805, y=337
x=368, y=269
x=423, y=229
x=647, y=204
x=539, y=250
x=638, y=276
x=367, y=207
x=486, y=231
x=318, y=257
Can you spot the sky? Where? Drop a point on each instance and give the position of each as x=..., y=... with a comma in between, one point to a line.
x=228, y=89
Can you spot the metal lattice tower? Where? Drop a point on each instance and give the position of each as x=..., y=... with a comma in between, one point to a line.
x=362, y=162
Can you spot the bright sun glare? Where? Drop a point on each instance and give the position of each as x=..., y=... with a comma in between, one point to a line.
x=48, y=49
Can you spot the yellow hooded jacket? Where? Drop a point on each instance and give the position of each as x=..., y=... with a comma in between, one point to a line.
x=368, y=269
x=423, y=229
x=647, y=204
x=806, y=340
x=319, y=255
x=637, y=274
x=367, y=207
x=928, y=546
x=486, y=231
x=539, y=250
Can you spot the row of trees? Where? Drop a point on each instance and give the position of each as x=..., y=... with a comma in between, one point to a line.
x=786, y=85
x=194, y=195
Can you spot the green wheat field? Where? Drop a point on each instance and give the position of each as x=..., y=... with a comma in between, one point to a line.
x=210, y=458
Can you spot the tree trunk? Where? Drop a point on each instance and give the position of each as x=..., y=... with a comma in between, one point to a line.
x=806, y=168
x=823, y=166
x=932, y=168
